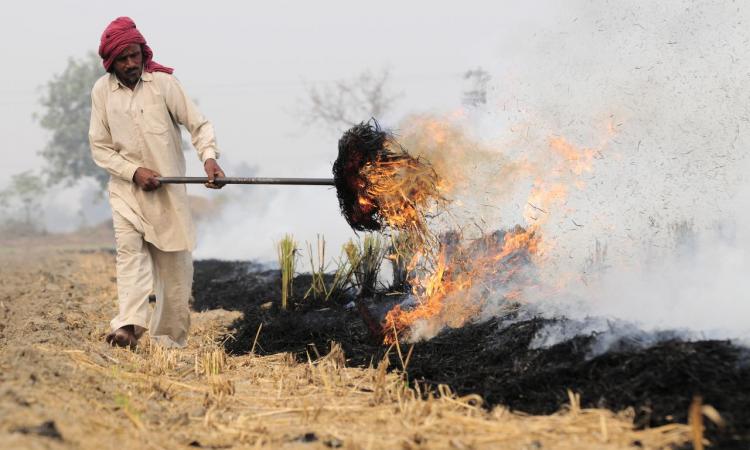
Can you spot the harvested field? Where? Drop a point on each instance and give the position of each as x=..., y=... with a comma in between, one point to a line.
x=495, y=360
x=62, y=387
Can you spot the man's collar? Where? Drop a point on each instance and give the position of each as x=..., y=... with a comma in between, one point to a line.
x=115, y=83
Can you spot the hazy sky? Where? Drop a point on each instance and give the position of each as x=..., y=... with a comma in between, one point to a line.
x=248, y=63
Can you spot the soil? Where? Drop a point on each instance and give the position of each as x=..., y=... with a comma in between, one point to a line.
x=494, y=359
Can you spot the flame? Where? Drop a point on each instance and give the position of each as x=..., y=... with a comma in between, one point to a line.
x=450, y=278
x=448, y=290
x=577, y=161
x=405, y=189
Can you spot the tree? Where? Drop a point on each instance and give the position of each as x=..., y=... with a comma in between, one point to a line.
x=476, y=93
x=67, y=110
x=345, y=103
x=25, y=192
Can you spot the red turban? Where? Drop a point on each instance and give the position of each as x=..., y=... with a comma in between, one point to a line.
x=118, y=35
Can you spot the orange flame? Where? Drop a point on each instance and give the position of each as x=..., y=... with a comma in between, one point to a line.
x=405, y=188
x=449, y=281
x=454, y=280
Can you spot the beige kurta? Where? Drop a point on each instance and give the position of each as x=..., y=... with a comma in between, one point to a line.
x=139, y=128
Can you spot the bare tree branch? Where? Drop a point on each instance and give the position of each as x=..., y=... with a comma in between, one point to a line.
x=345, y=103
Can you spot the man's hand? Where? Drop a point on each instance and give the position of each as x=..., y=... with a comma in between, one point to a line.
x=213, y=171
x=146, y=179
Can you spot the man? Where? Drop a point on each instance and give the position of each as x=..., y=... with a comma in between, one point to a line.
x=135, y=112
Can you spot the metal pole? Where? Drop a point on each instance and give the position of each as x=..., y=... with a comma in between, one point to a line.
x=237, y=180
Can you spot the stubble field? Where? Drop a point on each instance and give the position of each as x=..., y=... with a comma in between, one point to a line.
x=61, y=386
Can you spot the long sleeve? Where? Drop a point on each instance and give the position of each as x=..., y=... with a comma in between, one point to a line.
x=186, y=113
x=102, y=148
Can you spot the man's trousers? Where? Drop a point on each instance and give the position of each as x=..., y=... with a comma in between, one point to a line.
x=143, y=269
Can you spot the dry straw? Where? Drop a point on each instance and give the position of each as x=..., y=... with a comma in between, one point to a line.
x=287, y=251
x=401, y=252
x=198, y=396
x=269, y=401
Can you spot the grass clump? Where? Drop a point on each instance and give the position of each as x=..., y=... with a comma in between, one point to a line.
x=287, y=251
x=319, y=288
x=401, y=254
x=365, y=257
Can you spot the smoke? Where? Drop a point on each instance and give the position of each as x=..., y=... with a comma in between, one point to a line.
x=252, y=219
x=621, y=134
x=642, y=208
x=667, y=198
x=68, y=209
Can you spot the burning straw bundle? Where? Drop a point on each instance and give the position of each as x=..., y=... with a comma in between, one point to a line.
x=379, y=184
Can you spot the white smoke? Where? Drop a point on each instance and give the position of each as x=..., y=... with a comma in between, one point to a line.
x=653, y=241
x=668, y=197
x=252, y=218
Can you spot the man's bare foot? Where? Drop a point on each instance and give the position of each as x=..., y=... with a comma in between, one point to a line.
x=123, y=337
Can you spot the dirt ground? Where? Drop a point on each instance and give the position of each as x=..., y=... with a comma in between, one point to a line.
x=62, y=387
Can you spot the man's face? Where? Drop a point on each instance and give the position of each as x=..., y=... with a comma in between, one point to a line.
x=129, y=64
